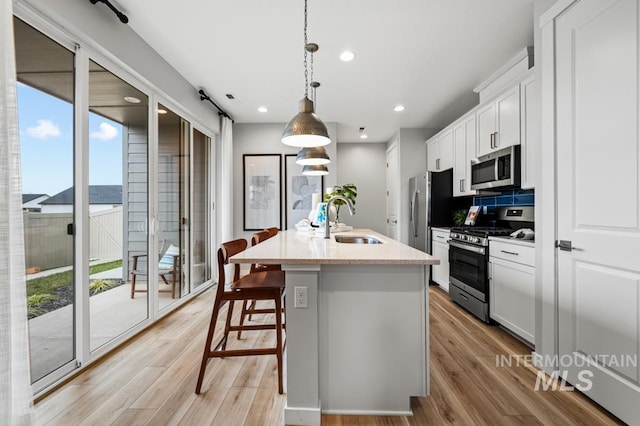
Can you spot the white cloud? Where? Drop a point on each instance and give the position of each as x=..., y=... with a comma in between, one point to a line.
x=44, y=129
x=106, y=132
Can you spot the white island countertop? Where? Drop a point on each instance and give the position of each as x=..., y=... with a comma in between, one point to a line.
x=293, y=248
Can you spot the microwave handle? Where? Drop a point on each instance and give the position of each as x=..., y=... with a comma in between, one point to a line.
x=496, y=168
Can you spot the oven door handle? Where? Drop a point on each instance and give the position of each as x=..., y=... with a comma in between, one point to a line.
x=479, y=250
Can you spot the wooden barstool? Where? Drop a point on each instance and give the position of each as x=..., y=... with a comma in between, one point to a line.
x=264, y=285
x=249, y=306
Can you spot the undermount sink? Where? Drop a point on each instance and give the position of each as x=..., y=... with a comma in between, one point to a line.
x=357, y=239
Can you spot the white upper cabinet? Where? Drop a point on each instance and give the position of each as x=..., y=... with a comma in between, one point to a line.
x=499, y=122
x=440, y=151
x=464, y=150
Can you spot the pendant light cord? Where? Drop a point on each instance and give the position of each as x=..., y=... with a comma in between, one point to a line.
x=306, y=71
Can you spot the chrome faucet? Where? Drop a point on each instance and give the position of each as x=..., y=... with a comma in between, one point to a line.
x=352, y=210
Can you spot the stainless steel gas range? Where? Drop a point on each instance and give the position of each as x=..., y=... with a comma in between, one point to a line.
x=469, y=257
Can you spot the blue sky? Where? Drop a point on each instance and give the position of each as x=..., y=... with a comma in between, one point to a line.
x=46, y=144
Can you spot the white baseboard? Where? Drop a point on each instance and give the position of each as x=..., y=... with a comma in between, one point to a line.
x=302, y=416
x=368, y=413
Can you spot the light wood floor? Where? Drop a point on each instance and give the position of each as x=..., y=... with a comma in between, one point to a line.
x=151, y=380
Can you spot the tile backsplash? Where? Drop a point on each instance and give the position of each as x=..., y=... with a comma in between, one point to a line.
x=511, y=197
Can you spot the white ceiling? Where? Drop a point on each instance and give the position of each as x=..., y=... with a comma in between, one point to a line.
x=425, y=54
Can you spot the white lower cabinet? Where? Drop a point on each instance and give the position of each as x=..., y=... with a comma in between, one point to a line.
x=440, y=250
x=512, y=283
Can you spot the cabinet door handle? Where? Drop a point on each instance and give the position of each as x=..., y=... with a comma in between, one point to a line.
x=437, y=164
x=496, y=141
x=510, y=252
x=491, y=140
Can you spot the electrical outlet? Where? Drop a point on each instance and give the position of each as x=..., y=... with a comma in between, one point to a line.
x=301, y=297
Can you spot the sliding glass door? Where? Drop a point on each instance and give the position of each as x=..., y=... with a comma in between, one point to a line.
x=201, y=217
x=117, y=213
x=45, y=74
x=118, y=206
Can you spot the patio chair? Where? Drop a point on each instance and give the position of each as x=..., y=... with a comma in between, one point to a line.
x=168, y=266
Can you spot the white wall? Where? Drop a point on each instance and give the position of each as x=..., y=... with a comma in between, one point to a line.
x=545, y=314
x=265, y=138
x=363, y=164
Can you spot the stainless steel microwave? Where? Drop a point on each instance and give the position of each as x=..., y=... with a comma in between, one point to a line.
x=496, y=170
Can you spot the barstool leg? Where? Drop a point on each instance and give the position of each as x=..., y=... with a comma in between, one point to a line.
x=278, y=315
x=242, y=315
x=207, y=346
x=227, y=324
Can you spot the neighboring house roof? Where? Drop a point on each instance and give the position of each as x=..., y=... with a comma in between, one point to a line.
x=98, y=194
x=30, y=197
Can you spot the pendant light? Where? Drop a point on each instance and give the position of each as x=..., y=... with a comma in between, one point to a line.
x=315, y=155
x=315, y=170
x=306, y=129
x=312, y=156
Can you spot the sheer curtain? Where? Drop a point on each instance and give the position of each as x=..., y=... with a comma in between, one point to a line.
x=226, y=190
x=16, y=407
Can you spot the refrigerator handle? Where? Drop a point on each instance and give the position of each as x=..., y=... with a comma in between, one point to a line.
x=415, y=212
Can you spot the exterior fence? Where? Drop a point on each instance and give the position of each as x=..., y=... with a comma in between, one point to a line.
x=47, y=244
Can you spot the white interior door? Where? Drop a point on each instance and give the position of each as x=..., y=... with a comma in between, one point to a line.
x=393, y=192
x=598, y=201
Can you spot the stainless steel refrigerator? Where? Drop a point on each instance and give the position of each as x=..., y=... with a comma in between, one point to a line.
x=430, y=204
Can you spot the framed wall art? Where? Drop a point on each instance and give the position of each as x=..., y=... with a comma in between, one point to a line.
x=262, y=188
x=298, y=191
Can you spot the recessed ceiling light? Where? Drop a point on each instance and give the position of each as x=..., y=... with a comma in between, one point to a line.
x=398, y=108
x=347, y=56
x=132, y=100
x=262, y=109
x=162, y=111
x=363, y=136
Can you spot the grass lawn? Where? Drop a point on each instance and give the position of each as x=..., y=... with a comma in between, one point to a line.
x=48, y=284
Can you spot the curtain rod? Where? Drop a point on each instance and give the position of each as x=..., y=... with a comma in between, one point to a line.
x=205, y=97
x=123, y=18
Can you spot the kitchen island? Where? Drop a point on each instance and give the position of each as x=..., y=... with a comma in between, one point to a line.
x=361, y=344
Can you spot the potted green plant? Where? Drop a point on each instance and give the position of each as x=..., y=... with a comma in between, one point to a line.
x=459, y=216
x=348, y=191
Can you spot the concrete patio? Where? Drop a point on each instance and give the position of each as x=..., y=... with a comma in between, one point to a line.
x=112, y=313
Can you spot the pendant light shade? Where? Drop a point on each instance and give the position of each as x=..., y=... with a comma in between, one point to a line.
x=306, y=129
x=315, y=170
x=312, y=156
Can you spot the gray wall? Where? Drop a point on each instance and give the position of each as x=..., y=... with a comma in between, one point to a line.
x=363, y=164
x=412, y=158
x=265, y=138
